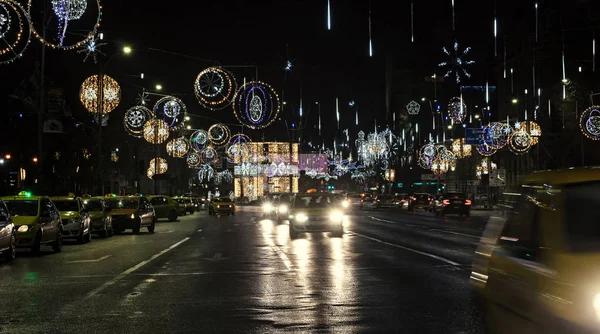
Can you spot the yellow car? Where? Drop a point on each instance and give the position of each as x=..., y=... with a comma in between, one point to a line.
x=75, y=218
x=131, y=212
x=37, y=221
x=221, y=205
x=166, y=207
x=538, y=267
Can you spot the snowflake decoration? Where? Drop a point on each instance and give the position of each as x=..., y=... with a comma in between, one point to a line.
x=288, y=65
x=142, y=99
x=4, y=23
x=457, y=62
x=517, y=125
x=413, y=108
x=91, y=49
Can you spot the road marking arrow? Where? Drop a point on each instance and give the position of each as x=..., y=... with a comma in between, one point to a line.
x=217, y=258
x=90, y=261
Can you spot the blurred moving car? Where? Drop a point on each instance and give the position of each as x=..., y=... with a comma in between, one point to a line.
x=453, y=203
x=355, y=200
x=538, y=265
x=221, y=205
x=166, y=207
x=132, y=212
x=419, y=201
x=37, y=221
x=316, y=212
x=75, y=218
x=100, y=216
x=8, y=235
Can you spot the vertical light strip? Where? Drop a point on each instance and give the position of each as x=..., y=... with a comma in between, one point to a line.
x=370, y=36
x=453, y=20
x=412, y=21
x=495, y=32
x=328, y=14
x=337, y=112
x=536, y=23
x=594, y=53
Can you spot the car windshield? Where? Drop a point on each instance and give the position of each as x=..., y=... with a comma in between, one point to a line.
x=93, y=205
x=22, y=207
x=583, y=230
x=66, y=205
x=316, y=201
x=123, y=203
x=422, y=197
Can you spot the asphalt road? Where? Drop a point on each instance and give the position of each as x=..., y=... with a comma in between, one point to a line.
x=391, y=272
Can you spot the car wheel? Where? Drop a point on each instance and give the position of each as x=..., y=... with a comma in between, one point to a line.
x=57, y=245
x=152, y=226
x=293, y=233
x=11, y=253
x=172, y=216
x=37, y=243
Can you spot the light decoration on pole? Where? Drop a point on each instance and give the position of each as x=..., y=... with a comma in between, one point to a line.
x=156, y=131
x=413, y=108
x=457, y=64
x=377, y=148
x=589, y=123
x=161, y=168
x=90, y=89
x=496, y=134
x=134, y=120
x=485, y=149
x=215, y=88
x=457, y=110
x=199, y=140
x=66, y=11
x=91, y=49
x=178, y=147
x=171, y=110
x=531, y=127
x=256, y=105
x=461, y=149
x=238, y=150
x=218, y=134
x=205, y=173
x=208, y=155
x=484, y=167
x=193, y=159
x=426, y=156
x=15, y=31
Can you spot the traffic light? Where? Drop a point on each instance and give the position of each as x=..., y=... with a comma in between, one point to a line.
x=330, y=187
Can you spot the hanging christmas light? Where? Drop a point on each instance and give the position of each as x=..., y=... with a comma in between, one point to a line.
x=215, y=88
x=589, y=123
x=457, y=110
x=199, y=140
x=256, y=105
x=457, y=64
x=208, y=155
x=91, y=49
x=413, y=108
x=15, y=31
x=460, y=148
x=90, y=89
x=193, y=159
x=162, y=166
x=178, y=147
x=519, y=142
x=171, y=110
x=135, y=118
x=156, y=131
x=218, y=134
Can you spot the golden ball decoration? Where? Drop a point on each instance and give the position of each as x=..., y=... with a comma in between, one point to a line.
x=534, y=130
x=162, y=167
x=90, y=89
x=156, y=131
x=461, y=149
x=178, y=147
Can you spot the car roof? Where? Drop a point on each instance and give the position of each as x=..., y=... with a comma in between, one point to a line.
x=22, y=198
x=63, y=198
x=563, y=176
x=123, y=197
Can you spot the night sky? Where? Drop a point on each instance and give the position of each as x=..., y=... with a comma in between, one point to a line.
x=327, y=64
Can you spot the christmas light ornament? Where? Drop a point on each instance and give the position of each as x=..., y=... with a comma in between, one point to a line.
x=533, y=128
x=171, y=110
x=67, y=11
x=135, y=118
x=589, y=123
x=461, y=149
x=256, y=105
x=199, y=140
x=218, y=134
x=178, y=147
x=15, y=31
x=519, y=142
x=156, y=131
x=193, y=159
x=457, y=110
x=205, y=173
x=485, y=149
x=91, y=49
x=215, y=88
x=208, y=155
x=90, y=89
x=161, y=168
x=457, y=63
x=413, y=108
x=496, y=134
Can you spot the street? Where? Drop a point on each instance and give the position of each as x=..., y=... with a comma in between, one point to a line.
x=391, y=272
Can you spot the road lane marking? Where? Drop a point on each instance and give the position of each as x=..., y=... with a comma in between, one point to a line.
x=439, y=258
x=217, y=258
x=90, y=261
x=457, y=233
x=134, y=268
x=200, y=230
x=278, y=251
x=425, y=227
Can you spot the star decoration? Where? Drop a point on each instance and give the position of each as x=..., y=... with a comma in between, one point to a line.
x=142, y=99
x=91, y=49
x=457, y=62
x=517, y=125
x=288, y=65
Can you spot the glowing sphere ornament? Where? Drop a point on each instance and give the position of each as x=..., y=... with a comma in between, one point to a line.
x=15, y=31
x=485, y=149
x=193, y=159
x=218, y=134
x=199, y=140
x=215, y=88
x=208, y=155
x=589, y=123
x=519, y=142
x=158, y=168
x=135, y=118
x=90, y=89
x=156, y=131
x=256, y=105
x=496, y=134
x=461, y=149
x=457, y=110
x=171, y=110
x=531, y=127
x=178, y=147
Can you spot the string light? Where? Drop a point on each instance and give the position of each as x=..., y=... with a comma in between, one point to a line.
x=156, y=131
x=193, y=160
x=199, y=139
x=172, y=110
x=15, y=31
x=161, y=168
x=134, y=120
x=328, y=14
x=589, y=123
x=256, y=105
x=67, y=10
x=90, y=88
x=218, y=134
x=215, y=88
x=178, y=147
x=461, y=149
x=61, y=45
x=413, y=108
x=519, y=142
x=457, y=110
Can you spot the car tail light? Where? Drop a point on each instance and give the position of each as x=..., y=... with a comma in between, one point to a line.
x=468, y=202
x=414, y=198
x=378, y=201
x=446, y=202
x=429, y=198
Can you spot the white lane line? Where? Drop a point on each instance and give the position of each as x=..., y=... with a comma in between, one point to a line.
x=90, y=261
x=439, y=258
x=276, y=249
x=457, y=233
x=134, y=268
x=240, y=272
x=200, y=230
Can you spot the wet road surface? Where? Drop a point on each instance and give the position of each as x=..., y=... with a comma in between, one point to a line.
x=391, y=272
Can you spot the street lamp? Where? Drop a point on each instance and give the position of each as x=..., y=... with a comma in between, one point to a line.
x=126, y=50
x=158, y=87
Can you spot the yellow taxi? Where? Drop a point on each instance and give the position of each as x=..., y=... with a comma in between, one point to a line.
x=37, y=221
x=537, y=268
x=75, y=218
x=221, y=205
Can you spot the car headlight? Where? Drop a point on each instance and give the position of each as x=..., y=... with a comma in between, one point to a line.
x=23, y=228
x=336, y=216
x=596, y=304
x=301, y=218
x=267, y=207
x=283, y=208
x=345, y=204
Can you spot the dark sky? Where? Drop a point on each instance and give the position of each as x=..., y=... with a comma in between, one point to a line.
x=327, y=64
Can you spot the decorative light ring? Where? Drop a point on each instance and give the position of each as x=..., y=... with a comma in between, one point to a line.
x=208, y=156
x=239, y=138
x=178, y=147
x=485, y=150
x=193, y=160
x=439, y=166
x=171, y=110
x=457, y=110
x=589, y=123
x=218, y=134
x=256, y=105
x=15, y=31
x=413, y=108
x=156, y=131
x=519, y=142
x=534, y=130
x=199, y=140
x=162, y=167
x=425, y=161
x=496, y=134
x=238, y=152
x=64, y=16
x=461, y=148
x=135, y=118
x=215, y=88
x=90, y=88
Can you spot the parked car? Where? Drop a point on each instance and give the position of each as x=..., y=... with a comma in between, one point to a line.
x=132, y=212
x=75, y=218
x=166, y=207
x=8, y=234
x=100, y=216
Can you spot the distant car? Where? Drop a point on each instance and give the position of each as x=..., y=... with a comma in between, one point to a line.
x=317, y=212
x=355, y=200
x=75, y=218
x=221, y=205
x=166, y=207
x=132, y=212
x=453, y=203
x=8, y=234
x=100, y=216
x=419, y=201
